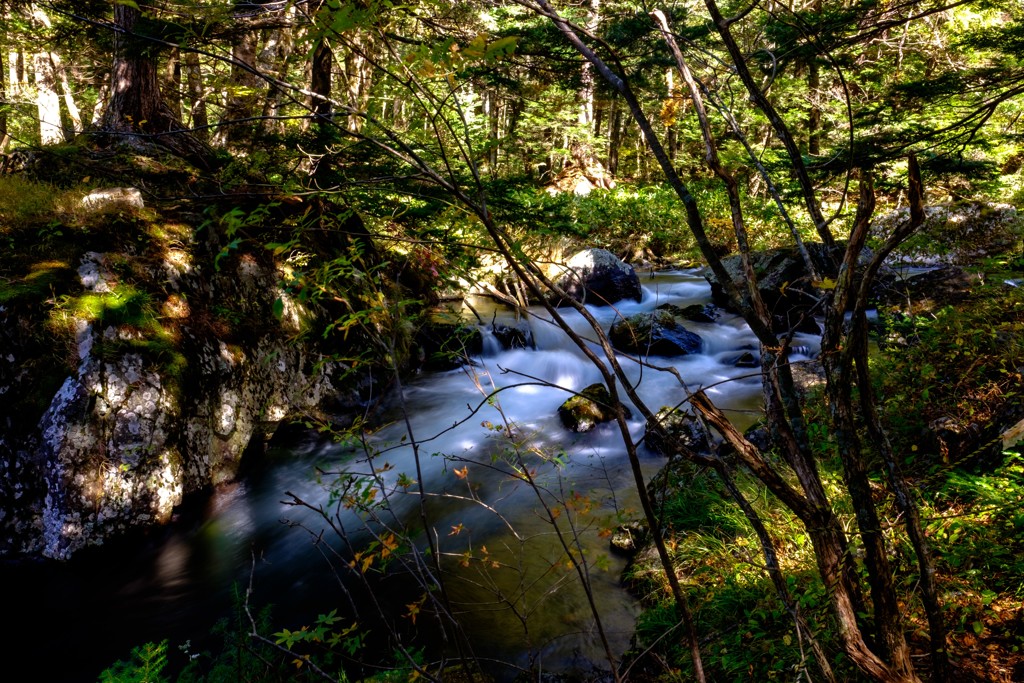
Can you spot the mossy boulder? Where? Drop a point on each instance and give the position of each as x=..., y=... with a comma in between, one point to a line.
x=587, y=409
x=655, y=333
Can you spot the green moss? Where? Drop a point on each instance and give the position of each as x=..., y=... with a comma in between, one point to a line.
x=42, y=279
x=125, y=305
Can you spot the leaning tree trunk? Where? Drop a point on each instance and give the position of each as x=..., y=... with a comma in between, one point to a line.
x=136, y=113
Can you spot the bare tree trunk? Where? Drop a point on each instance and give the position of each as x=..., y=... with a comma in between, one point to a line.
x=51, y=131
x=68, y=94
x=814, y=92
x=320, y=82
x=614, y=137
x=274, y=59
x=491, y=108
x=198, y=118
x=358, y=77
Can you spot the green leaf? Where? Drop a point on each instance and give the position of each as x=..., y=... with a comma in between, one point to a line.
x=503, y=47
x=278, y=308
x=978, y=627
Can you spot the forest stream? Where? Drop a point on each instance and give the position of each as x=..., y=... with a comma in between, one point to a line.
x=517, y=599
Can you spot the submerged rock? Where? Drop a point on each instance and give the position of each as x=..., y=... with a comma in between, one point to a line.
x=584, y=411
x=655, y=333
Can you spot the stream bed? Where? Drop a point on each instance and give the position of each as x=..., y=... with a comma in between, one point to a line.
x=478, y=429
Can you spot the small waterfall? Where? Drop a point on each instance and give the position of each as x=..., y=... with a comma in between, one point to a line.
x=490, y=343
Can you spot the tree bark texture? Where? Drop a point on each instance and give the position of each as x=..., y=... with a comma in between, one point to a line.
x=136, y=112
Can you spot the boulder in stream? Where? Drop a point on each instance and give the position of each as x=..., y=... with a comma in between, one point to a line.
x=655, y=333
x=597, y=276
x=587, y=409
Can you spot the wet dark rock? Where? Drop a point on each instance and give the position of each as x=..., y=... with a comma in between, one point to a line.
x=447, y=344
x=630, y=537
x=702, y=313
x=934, y=288
x=758, y=435
x=584, y=411
x=746, y=360
x=513, y=337
x=678, y=429
x=785, y=285
x=597, y=276
x=656, y=333
x=698, y=313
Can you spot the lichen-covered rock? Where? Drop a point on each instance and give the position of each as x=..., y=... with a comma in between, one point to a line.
x=110, y=463
x=655, y=333
x=113, y=198
x=589, y=408
x=597, y=276
x=132, y=423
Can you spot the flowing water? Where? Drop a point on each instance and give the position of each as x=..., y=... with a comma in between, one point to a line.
x=478, y=429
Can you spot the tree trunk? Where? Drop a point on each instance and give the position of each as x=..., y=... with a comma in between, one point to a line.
x=614, y=137
x=358, y=74
x=5, y=137
x=172, y=83
x=198, y=118
x=274, y=59
x=492, y=110
x=51, y=131
x=813, y=91
x=320, y=82
x=68, y=93
x=244, y=90
x=136, y=113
